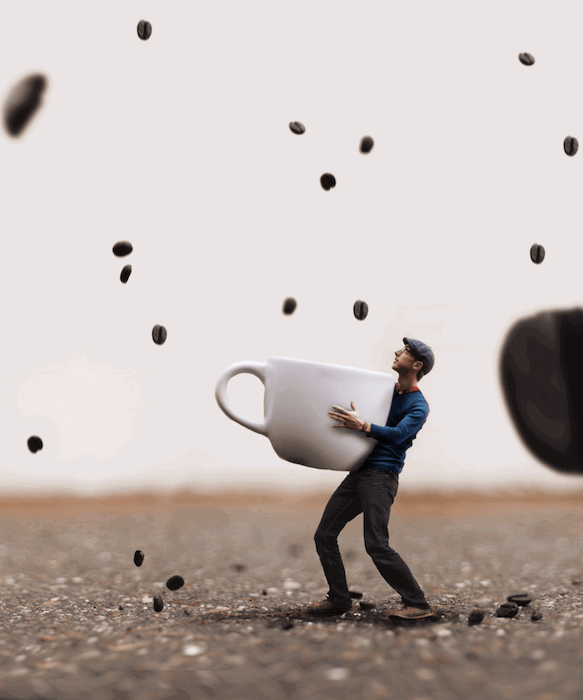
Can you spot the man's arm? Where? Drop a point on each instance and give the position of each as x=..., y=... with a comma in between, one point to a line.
x=403, y=431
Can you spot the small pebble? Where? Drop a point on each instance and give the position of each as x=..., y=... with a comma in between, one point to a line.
x=537, y=253
x=22, y=102
x=366, y=144
x=158, y=603
x=328, y=181
x=194, y=649
x=159, y=335
x=360, y=310
x=576, y=582
x=144, y=30
x=297, y=127
x=475, y=617
x=526, y=59
x=521, y=599
x=138, y=558
x=571, y=145
x=289, y=305
x=125, y=273
x=536, y=615
x=175, y=582
x=337, y=674
x=507, y=610
x=122, y=248
x=34, y=444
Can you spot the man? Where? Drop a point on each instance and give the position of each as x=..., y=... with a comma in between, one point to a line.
x=372, y=489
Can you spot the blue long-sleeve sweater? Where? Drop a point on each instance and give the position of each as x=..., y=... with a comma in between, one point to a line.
x=406, y=418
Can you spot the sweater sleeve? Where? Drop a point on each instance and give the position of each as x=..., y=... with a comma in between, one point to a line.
x=403, y=431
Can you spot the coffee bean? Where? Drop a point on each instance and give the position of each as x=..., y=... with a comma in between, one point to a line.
x=526, y=58
x=159, y=335
x=264, y=592
x=287, y=625
x=125, y=273
x=475, y=617
x=507, y=610
x=175, y=582
x=158, y=603
x=328, y=181
x=366, y=144
x=537, y=253
x=355, y=594
x=360, y=309
x=122, y=248
x=34, y=444
x=238, y=567
x=366, y=606
x=144, y=29
x=22, y=102
x=571, y=145
x=138, y=558
x=521, y=599
x=289, y=305
x=536, y=615
x=540, y=373
x=297, y=127
x=120, y=607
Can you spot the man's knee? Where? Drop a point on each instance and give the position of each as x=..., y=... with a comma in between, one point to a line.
x=376, y=547
x=321, y=538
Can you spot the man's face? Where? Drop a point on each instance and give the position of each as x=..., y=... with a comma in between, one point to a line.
x=404, y=359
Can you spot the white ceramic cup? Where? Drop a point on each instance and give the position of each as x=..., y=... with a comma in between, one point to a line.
x=298, y=396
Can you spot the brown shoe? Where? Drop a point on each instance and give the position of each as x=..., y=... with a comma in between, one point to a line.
x=326, y=607
x=408, y=613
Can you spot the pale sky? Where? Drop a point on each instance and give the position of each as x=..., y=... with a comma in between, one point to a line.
x=181, y=145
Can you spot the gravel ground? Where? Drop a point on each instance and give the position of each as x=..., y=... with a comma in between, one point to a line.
x=78, y=621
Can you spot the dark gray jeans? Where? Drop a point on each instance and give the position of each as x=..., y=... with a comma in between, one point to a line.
x=372, y=492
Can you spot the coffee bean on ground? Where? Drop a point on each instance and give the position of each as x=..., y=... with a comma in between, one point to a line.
x=328, y=181
x=366, y=606
x=144, y=29
x=22, y=102
x=360, y=310
x=571, y=145
x=34, y=444
x=125, y=273
x=158, y=603
x=366, y=144
x=138, y=558
x=526, y=59
x=507, y=610
x=521, y=599
x=122, y=248
x=536, y=615
x=287, y=625
x=537, y=253
x=289, y=305
x=355, y=594
x=238, y=567
x=175, y=582
x=297, y=127
x=120, y=607
x=159, y=335
x=540, y=373
x=475, y=617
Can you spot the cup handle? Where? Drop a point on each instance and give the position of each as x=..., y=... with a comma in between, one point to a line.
x=256, y=368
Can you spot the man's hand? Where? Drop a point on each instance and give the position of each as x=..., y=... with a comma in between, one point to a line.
x=349, y=419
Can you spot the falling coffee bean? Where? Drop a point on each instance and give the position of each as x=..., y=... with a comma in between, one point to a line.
x=537, y=253
x=475, y=617
x=34, y=444
x=297, y=127
x=507, y=610
x=158, y=603
x=571, y=145
x=526, y=59
x=122, y=248
x=360, y=310
x=366, y=144
x=138, y=558
x=289, y=305
x=144, y=29
x=22, y=102
x=125, y=273
x=175, y=582
x=159, y=335
x=328, y=181
x=521, y=599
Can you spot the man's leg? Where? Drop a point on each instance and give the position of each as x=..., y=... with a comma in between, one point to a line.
x=343, y=506
x=377, y=491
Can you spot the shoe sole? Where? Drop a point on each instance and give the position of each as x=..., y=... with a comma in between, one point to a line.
x=408, y=617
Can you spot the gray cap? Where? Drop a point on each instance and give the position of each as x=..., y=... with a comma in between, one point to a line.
x=421, y=352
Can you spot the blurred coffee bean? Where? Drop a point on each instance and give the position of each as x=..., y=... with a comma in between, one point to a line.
x=238, y=567
x=366, y=606
x=536, y=615
x=366, y=144
x=297, y=127
x=537, y=253
x=22, y=102
x=289, y=305
x=138, y=558
x=144, y=29
x=122, y=248
x=159, y=335
x=34, y=444
x=175, y=582
x=526, y=59
x=507, y=610
x=125, y=273
x=158, y=603
x=475, y=617
x=355, y=594
x=540, y=373
x=521, y=599
x=264, y=592
x=360, y=310
x=328, y=181
x=571, y=145
x=287, y=625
